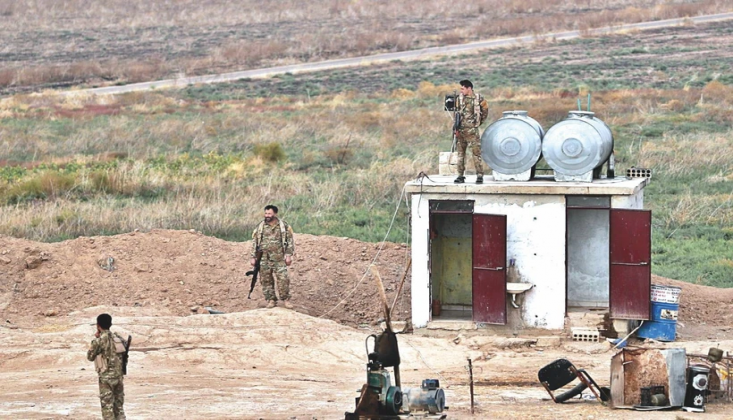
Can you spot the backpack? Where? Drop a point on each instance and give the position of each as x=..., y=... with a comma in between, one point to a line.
x=101, y=364
x=479, y=110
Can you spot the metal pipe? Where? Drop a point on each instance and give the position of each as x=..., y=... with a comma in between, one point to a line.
x=627, y=337
x=579, y=108
x=589, y=102
x=470, y=380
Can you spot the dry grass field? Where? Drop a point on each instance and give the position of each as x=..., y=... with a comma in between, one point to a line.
x=48, y=43
x=334, y=148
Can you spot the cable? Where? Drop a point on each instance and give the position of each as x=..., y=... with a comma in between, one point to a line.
x=421, y=177
x=381, y=246
x=627, y=337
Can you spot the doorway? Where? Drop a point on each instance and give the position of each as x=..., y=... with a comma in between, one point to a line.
x=587, y=252
x=451, y=265
x=467, y=263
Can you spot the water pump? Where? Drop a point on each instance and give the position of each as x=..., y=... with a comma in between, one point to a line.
x=379, y=399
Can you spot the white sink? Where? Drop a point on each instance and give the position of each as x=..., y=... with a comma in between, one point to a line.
x=517, y=288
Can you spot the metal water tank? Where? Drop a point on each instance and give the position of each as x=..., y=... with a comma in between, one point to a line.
x=577, y=146
x=511, y=146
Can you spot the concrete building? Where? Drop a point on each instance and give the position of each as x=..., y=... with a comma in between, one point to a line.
x=527, y=253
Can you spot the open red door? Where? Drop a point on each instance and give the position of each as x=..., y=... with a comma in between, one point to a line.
x=631, y=268
x=489, y=268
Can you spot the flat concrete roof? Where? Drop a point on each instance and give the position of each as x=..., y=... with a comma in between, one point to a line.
x=544, y=185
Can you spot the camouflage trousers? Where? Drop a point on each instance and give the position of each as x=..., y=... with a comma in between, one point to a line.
x=268, y=271
x=112, y=397
x=469, y=140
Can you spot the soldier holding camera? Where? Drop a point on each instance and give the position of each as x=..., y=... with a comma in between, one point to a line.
x=471, y=110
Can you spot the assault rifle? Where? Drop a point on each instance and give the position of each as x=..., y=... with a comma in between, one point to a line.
x=254, y=272
x=126, y=355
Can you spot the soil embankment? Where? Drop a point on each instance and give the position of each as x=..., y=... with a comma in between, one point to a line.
x=257, y=363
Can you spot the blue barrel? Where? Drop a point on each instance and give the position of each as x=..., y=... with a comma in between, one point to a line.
x=663, y=325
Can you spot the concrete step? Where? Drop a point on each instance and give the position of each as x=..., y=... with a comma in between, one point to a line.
x=586, y=319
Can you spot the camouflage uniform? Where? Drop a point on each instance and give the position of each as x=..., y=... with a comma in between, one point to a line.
x=111, y=389
x=273, y=258
x=467, y=135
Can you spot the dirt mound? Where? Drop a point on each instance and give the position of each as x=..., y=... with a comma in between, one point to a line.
x=171, y=272
x=705, y=312
x=177, y=271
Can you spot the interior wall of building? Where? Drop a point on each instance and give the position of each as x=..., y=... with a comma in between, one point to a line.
x=587, y=257
x=451, y=259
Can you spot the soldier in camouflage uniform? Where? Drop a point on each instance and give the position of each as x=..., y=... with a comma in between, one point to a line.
x=274, y=238
x=472, y=107
x=108, y=362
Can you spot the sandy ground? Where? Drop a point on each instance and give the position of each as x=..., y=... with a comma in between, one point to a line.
x=260, y=363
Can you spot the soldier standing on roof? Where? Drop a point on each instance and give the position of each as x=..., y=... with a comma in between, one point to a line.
x=274, y=238
x=473, y=110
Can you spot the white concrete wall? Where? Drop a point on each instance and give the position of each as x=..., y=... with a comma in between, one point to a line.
x=420, y=214
x=634, y=202
x=535, y=239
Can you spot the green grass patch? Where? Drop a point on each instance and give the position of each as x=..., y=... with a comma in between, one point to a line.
x=702, y=260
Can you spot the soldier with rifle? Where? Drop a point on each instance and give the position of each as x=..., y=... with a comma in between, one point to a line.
x=109, y=353
x=471, y=109
x=272, y=253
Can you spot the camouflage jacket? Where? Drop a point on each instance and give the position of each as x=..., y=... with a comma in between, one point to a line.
x=270, y=240
x=104, y=346
x=471, y=111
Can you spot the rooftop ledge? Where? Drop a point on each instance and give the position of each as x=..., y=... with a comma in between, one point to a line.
x=545, y=185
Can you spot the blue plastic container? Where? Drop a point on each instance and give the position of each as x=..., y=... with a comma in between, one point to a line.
x=663, y=325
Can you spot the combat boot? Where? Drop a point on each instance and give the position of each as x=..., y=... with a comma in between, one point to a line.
x=460, y=180
x=271, y=304
x=288, y=305
x=480, y=179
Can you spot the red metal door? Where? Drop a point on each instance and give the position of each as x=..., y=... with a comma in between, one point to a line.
x=489, y=271
x=631, y=269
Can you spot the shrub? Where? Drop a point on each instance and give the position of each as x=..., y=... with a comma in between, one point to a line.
x=339, y=154
x=270, y=152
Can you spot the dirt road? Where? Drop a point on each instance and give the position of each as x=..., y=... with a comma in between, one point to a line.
x=402, y=55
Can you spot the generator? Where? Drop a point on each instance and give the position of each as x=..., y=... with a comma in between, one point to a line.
x=380, y=399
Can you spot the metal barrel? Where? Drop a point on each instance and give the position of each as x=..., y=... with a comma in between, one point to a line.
x=513, y=143
x=663, y=325
x=578, y=144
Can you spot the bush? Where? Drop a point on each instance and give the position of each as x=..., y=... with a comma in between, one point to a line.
x=47, y=184
x=270, y=152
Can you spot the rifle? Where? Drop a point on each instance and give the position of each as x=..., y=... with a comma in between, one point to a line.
x=255, y=272
x=456, y=126
x=126, y=355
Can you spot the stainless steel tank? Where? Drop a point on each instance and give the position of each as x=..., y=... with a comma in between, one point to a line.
x=577, y=147
x=511, y=146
